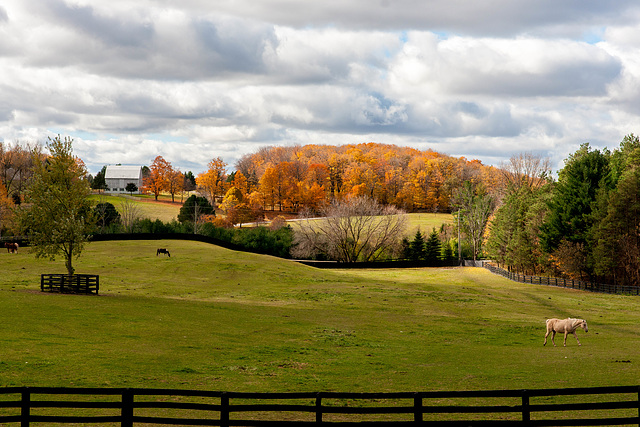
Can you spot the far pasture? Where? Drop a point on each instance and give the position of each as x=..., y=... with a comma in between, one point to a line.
x=215, y=319
x=163, y=209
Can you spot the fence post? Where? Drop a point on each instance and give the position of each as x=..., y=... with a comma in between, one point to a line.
x=417, y=409
x=639, y=406
x=126, y=413
x=25, y=408
x=318, y=408
x=526, y=411
x=224, y=410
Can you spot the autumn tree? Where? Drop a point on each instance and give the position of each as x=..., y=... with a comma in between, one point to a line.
x=212, y=182
x=6, y=210
x=157, y=180
x=59, y=216
x=269, y=183
x=355, y=229
x=16, y=167
x=175, y=182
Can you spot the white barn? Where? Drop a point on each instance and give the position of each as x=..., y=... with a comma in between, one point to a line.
x=117, y=178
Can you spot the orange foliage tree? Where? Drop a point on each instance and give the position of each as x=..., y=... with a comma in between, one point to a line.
x=158, y=179
x=293, y=178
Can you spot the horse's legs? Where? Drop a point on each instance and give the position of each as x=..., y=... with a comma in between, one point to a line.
x=576, y=335
x=545, y=336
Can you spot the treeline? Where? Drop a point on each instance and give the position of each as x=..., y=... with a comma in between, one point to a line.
x=275, y=239
x=289, y=178
x=585, y=225
x=307, y=177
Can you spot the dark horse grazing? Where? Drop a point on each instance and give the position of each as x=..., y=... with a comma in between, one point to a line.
x=163, y=251
x=12, y=248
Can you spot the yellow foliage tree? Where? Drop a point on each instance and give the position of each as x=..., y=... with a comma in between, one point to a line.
x=6, y=209
x=212, y=182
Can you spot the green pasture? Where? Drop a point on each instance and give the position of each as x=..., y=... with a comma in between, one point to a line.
x=425, y=222
x=147, y=207
x=215, y=319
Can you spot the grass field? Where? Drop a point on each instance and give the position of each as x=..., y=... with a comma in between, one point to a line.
x=211, y=318
x=167, y=211
x=163, y=210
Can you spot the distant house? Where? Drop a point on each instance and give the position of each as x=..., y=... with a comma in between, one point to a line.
x=117, y=178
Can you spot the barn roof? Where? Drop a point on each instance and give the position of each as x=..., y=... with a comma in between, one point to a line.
x=132, y=172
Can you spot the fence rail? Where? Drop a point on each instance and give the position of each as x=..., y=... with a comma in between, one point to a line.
x=76, y=283
x=596, y=406
x=565, y=283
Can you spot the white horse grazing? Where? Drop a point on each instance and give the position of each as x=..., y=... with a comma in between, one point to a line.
x=568, y=326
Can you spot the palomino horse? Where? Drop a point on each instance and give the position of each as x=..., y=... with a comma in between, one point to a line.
x=566, y=326
x=163, y=251
x=12, y=248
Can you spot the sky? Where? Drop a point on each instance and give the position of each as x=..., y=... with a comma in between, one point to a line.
x=193, y=80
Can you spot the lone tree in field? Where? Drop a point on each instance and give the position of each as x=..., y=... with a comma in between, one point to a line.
x=356, y=229
x=475, y=206
x=60, y=215
x=131, y=187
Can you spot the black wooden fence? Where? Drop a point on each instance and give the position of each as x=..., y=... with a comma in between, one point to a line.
x=565, y=283
x=76, y=283
x=598, y=406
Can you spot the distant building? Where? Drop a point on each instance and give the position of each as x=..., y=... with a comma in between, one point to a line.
x=117, y=178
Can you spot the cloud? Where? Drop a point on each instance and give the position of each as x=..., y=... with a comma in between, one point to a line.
x=194, y=80
x=485, y=18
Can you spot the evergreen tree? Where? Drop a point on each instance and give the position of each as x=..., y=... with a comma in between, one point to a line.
x=446, y=252
x=571, y=209
x=99, y=182
x=406, y=248
x=616, y=247
x=131, y=187
x=417, y=250
x=194, y=207
x=432, y=247
x=106, y=214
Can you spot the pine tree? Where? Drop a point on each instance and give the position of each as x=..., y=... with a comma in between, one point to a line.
x=432, y=247
x=417, y=249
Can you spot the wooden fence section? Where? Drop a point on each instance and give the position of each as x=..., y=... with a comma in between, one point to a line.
x=565, y=283
x=598, y=406
x=76, y=283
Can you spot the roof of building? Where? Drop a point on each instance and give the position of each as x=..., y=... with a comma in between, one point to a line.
x=131, y=172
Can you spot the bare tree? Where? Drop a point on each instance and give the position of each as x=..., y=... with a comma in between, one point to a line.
x=356, y=229
x=129, y=213
x=526, y=169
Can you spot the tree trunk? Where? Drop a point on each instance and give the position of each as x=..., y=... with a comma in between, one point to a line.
x=69, y=261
